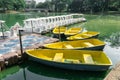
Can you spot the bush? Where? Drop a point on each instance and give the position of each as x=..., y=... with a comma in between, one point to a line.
x=114, y=39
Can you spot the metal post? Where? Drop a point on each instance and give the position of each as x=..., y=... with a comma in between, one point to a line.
x=20, y=39
x=21, y=49
x=59, y=34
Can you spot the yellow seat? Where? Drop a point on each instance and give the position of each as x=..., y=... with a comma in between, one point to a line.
x=58, y=57
x=68, y=46
x=88, y=44
x=76, y=61
x=88, y=59
x=72, y=61
x=78, y=37
x=87, y=34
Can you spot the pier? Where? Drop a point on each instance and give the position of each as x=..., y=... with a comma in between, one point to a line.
x=114, y=74
x=14, y=55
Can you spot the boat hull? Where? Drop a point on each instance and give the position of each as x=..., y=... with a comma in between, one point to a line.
x=84, y=67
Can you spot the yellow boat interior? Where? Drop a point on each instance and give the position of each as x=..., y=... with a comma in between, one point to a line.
x=83, y=35
x=60, y=30
x=73, y=31
x=71, y=56
x=75, y=44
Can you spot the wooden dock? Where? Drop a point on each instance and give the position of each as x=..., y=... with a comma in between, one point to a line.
x=114, y=74
x=15, y=56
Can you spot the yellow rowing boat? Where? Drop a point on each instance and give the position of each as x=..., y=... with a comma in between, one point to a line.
x=84, y=35
x=71, y=59
x=73, y=31
x=87, y=44
x=59, y=30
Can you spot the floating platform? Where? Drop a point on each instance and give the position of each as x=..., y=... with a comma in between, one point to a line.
x=10, y=52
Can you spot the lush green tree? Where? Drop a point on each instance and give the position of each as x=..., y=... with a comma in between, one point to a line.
x=18, y=4
x=74, y=6
x=114, y=5
x=60, y=5
x=41, y=5
x=12, y=4
x=91, y=6
x=31, y=5
x=45, y=5
x=5, y=4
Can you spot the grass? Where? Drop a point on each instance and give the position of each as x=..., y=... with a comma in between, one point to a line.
x=105, y=24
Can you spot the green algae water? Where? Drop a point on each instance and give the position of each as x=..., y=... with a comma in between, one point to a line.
x=11, y=19
x=30, y=70
x=35, y=71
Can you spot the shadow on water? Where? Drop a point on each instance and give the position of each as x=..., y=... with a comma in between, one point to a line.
x=33, y=70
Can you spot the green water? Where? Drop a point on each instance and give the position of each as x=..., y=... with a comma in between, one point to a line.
x=105, y=24
x=11, y=19
x=29, y=70
x=33, y=71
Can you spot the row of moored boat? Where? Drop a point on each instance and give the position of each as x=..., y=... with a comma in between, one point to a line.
x=81, y=51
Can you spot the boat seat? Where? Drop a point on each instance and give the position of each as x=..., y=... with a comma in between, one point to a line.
x=88, y=59
x=68, y=46
x=88, y=44
x=75, y=61
x=58, y=57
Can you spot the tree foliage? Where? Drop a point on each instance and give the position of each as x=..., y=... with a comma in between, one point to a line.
x=12, y=4
x=114, y=5
x=46, y=5
x=32, y=4
x=55, y=5
x=88, y=5
x=18, y=4
x=91, y=6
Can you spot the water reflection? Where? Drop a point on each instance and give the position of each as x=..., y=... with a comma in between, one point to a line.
x=36, y=71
